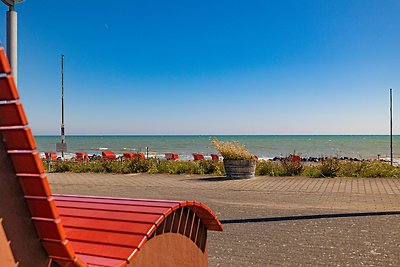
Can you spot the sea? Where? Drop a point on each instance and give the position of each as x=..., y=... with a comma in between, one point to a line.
x=263, y=146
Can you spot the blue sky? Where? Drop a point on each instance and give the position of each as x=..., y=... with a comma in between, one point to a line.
x=210, y=67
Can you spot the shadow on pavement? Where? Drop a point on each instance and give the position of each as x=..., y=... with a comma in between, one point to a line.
x=217, y=179
x=310, y=217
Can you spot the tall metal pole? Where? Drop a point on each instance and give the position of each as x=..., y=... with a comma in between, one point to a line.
x=62, y=103
x=391, y=128
x=12, y=41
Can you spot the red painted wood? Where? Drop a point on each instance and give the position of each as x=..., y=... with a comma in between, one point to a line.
x=104, y=237
x=108, y=225
x=127, y=202
x=12, y=114
x=49, y=229
x=109, y=251
x=18, y=139
x=4, y=65
x=119, y=198
x=113, y=207
x=110, y=215
x=8, y=89
x=101, y=261
x=34, y=185
x=42, y=207
x=26, y=162
x=56, y=248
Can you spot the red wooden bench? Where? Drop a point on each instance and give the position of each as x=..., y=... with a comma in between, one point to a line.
x=198, y=156
x=41, y=229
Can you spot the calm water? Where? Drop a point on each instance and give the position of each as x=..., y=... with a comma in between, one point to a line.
x=264, y=146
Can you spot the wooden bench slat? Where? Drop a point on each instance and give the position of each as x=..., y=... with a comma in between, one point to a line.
x=101, y=261
x=132, y=202
x=8, y=90
x=34, y=185
x=101, y=250
x=12, y=114
x=112, y=207
x=108, y=225
x=110, y=215
x=26, y=162
x=104, y=237
x=19, y=139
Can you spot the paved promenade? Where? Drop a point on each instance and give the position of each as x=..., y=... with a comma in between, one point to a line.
x=275, y=221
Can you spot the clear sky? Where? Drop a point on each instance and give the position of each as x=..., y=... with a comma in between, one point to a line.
x=210, y=67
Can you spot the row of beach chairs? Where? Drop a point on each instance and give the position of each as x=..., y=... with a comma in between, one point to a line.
x=109, y=155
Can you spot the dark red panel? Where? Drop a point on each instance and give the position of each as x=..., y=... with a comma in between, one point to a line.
x=59, y=249
x=42, y=207
x=26, y=162
x=8, y=90
x=12, y=114
x=49, y=229
x=19, y=139
x=34, y=185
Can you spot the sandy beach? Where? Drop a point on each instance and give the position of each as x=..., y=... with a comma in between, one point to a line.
x=274, y=221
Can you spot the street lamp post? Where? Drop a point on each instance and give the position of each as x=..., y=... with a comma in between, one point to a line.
x=12, y=38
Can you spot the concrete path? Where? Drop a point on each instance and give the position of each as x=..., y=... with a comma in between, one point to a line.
x=275, y=221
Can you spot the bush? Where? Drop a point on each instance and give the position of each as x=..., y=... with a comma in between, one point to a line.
x=265, y=167
x=138, y=165
x=329, y=167
x=291, y=167
x=379, y=169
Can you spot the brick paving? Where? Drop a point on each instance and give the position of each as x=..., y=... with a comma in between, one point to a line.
x=275, y=221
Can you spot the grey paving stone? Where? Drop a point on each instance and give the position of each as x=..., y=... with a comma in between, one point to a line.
x=275, y=221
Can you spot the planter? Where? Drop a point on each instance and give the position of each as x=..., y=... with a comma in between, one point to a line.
x=240, y=169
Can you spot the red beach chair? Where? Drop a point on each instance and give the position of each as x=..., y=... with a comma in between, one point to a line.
x=108, y=155
x=41, y=229
x=171, y=156
x=214, y=157
x=134, y=156
x=198, y=156
x=294, y=158
x=82, y=156
x=50, y=156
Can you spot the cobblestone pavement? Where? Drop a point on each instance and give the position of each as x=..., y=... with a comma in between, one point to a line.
x=275, y=221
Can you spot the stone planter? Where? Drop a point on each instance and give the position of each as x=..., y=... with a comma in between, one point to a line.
x=240, y=169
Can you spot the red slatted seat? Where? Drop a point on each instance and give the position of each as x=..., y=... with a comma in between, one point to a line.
x=88, y=230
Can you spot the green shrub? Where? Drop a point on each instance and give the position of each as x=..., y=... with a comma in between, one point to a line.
x=379, y=169
x=329, y=167
x=350, y=168
x=291, y=167
x=312, y=171
x=264, y=167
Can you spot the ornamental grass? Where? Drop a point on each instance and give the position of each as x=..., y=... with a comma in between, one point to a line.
x=232, y=150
